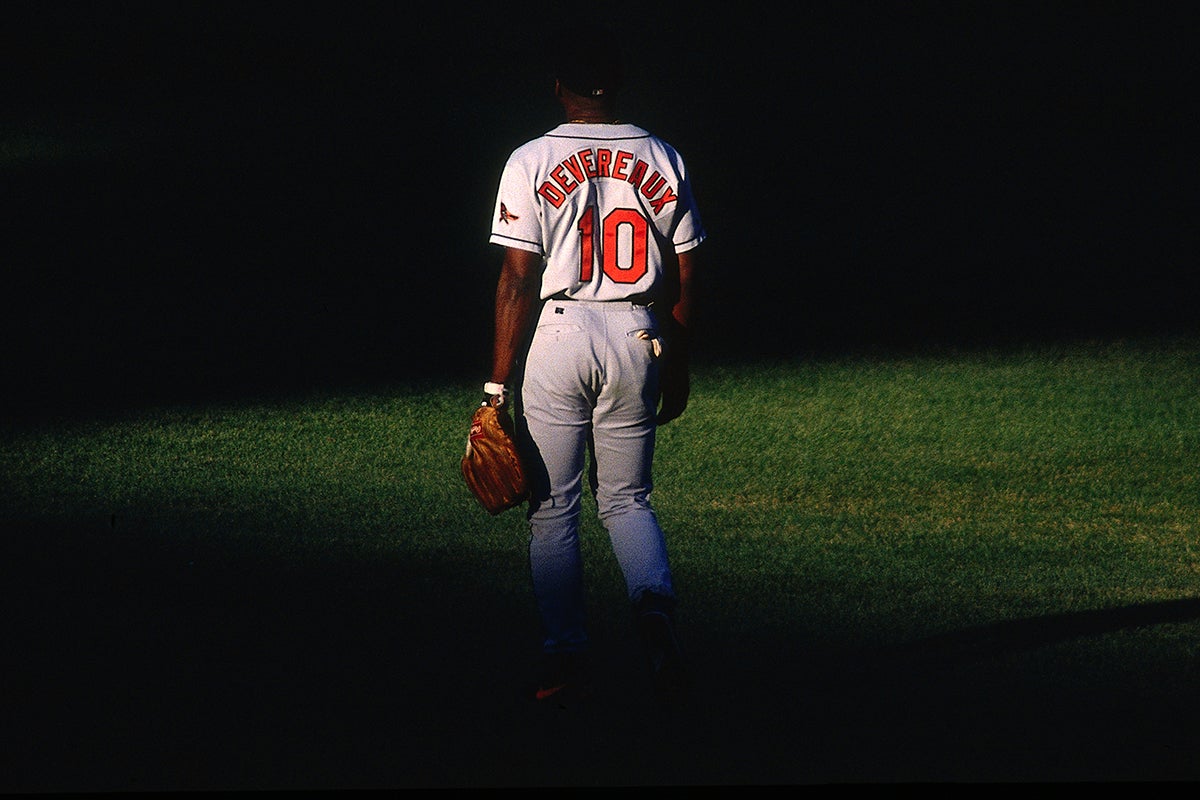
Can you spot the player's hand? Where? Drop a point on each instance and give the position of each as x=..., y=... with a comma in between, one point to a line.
x=674, y=387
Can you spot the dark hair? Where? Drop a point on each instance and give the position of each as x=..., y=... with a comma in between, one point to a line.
x=589, y=64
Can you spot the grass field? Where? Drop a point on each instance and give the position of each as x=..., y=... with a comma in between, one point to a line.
x=973, y=566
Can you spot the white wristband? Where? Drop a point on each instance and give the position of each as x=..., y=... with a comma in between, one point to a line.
x=494, y=388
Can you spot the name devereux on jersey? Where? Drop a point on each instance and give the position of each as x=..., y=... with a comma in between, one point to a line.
x=593, y=163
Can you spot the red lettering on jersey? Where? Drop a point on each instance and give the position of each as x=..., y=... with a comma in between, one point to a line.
x=560, y=177
x=639, y=172
x=603, y=159
x=651, y=187
x=667, y=197
x=588, y=159
x=589, y=164
x=586, y=243
x=620, y=164
x=637, y=225
x=572, y=164
x=553, y=196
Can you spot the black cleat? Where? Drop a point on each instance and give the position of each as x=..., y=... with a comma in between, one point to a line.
x=562, y=677
x=669, y=674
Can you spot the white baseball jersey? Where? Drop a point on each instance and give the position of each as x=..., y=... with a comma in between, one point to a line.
x=602, y=204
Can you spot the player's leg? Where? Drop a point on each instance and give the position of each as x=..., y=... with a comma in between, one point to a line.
x=555, y=420
x=624, y=437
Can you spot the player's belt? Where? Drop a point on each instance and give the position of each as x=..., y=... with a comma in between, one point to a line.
x=637, y=299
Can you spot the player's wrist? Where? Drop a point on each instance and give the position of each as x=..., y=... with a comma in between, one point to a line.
x=495, y=394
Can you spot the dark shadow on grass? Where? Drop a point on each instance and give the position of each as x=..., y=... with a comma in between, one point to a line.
x=137, y=663
x=1014, y=636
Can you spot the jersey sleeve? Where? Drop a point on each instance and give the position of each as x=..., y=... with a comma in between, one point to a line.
x=515, y=218
x=689, y=230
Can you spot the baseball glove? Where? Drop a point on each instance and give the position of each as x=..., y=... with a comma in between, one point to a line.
x=492, y=466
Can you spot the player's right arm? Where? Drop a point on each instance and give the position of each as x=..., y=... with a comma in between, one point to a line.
x=517, y=293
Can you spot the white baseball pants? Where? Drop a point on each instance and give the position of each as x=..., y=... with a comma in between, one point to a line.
x=591, y=372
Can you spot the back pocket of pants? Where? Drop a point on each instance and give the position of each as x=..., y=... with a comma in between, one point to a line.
x=650, y=340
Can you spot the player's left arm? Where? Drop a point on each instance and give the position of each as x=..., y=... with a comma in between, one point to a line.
x=683, y=311
x=516, y=297
x=674, y=376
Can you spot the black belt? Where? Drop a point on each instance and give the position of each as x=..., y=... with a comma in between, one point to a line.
x=637, y=299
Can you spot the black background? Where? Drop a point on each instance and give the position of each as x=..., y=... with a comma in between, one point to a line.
x=209, y=199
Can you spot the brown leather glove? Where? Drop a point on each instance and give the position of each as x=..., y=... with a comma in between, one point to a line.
x=492, y=466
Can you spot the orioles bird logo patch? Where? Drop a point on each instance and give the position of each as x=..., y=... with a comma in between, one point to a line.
x=505, y=217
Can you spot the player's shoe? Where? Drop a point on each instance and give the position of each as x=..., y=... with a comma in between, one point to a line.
x=669, y=673
x=562, y=677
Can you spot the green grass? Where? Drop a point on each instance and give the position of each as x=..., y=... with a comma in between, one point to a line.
x=1033, y=513
x=915, y=495
x=896, y=498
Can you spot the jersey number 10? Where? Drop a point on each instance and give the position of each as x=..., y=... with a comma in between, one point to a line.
x=622, y=238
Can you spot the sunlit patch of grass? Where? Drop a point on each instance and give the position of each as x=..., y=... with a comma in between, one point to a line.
x=869, y=499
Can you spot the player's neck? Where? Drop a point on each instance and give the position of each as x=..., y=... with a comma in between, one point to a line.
x=591, y=113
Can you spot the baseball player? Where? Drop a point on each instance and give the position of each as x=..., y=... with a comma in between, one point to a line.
x=599, y=226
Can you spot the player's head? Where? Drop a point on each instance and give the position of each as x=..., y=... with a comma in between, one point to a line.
x=589, y=64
